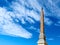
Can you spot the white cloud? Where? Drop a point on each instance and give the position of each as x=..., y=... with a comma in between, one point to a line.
x=50, y=1
x=53, y=8
x=33, y=14
x=10, y=28
x=50, y=39
x=33, y=28
x=58, y=36
x=35, y=5
x=30, y=20
x=48, y=21
x=57, y=24
x=15, y=30
x=21, y=11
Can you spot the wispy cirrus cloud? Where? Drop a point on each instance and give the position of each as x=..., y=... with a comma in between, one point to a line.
x=7, y=24
x=51, y=39
x=52, y=8
x=24, y=11
x=58, y=23
x=10, y=28
x=48, y=21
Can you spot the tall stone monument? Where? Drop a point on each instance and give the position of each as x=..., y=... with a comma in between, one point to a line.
x=42, y=38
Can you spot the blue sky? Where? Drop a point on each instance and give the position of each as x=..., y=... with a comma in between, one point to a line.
x=20, y=21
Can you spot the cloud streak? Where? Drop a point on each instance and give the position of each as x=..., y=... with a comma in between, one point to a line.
x=10, y=28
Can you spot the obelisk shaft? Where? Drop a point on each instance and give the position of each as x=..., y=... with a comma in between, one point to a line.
x=42, y=39
x=42, y=22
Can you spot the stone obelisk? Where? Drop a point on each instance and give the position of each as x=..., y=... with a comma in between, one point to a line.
x=42, y=38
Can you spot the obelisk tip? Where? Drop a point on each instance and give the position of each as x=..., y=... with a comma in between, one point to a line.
x=42, y=8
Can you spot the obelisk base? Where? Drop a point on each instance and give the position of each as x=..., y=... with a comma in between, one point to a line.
x=42, y=42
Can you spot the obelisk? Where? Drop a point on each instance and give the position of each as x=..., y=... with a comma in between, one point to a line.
x=42, y=38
